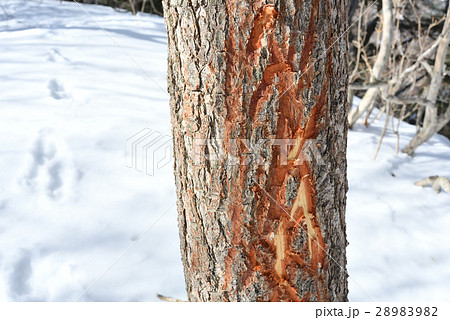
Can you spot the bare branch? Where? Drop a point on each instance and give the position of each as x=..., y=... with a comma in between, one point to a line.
x=365, y=86
x=402, y=101
x=168, y=299
x=437, y=183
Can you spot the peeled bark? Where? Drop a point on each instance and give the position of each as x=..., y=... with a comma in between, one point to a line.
x=242, y=74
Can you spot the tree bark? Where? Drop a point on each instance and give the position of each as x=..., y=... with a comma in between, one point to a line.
x=242, y=74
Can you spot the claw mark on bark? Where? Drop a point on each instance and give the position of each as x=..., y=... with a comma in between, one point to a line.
x=295, y=122
x=264, y=21
x=280, y=242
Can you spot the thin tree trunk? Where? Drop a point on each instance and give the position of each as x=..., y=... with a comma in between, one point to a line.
x=431, y=123
x=133, y=6
x=143, y=5
x=380, y=62
x=243, y=74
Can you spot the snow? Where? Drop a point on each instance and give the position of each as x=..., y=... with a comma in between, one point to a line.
x=399, y=233
x=69, y=205
x=73, y=216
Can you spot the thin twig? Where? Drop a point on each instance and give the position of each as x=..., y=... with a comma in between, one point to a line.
x=382, y=132
x=168, y=299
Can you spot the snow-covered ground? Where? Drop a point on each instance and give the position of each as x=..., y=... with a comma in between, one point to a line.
x=399, y=233
x=73, y=216
x=69, y=205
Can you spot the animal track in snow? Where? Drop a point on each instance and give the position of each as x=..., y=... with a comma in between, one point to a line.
x=20, y=275
x=54, y=55
x=57, y=90
x=50, y=170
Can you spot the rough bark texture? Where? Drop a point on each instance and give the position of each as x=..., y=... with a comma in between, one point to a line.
x=239, y=73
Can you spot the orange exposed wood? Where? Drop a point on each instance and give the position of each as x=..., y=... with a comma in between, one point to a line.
x=264, y=20
x=271, y=207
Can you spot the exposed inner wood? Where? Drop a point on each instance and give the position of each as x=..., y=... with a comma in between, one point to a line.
x=280, y=245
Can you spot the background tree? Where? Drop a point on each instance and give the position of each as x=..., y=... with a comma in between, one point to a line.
x=399, y=64
x=381, y=61
x=241, y=74
x=150, y=6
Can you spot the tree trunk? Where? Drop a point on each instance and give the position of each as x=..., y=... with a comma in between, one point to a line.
x=380, y=63
x=431, y=123
x=247, y=79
